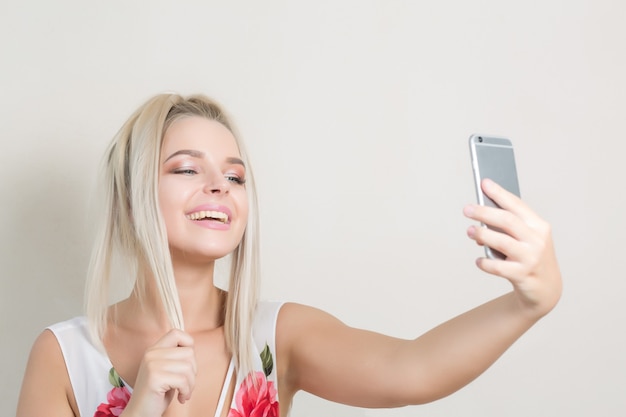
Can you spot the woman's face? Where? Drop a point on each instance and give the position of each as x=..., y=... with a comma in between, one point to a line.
x=202, y=195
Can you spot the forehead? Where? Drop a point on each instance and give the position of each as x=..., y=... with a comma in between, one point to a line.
x=195, y=132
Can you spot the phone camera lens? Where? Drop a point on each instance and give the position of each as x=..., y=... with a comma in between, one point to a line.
x=480, y=139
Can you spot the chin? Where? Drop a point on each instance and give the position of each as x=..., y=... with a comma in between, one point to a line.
x=199, y=255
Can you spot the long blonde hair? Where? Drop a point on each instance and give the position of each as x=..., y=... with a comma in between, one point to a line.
x=132, y=227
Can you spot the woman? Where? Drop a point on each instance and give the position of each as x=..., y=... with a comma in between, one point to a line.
x=180, y=195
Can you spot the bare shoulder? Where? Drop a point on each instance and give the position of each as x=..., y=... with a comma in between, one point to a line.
x=295, y=321
x=295, y=330
x=46, y=388
x=293, y=314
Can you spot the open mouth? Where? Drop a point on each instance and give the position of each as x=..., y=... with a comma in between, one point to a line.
x=217, y=216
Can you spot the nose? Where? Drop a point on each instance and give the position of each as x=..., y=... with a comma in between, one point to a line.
x=216, y=183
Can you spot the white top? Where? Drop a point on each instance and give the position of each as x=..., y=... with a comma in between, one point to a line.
x=100, y=392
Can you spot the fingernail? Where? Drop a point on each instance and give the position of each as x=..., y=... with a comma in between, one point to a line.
x=468, y=211
x=471, y=231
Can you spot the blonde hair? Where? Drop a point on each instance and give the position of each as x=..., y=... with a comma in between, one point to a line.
x=132, y=227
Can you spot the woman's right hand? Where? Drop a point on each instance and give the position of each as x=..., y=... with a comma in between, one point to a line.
x=167, y=369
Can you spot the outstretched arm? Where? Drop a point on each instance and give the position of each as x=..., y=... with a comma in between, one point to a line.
x=329, y=359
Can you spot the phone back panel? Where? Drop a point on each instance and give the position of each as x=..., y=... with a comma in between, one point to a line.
x=493, y=158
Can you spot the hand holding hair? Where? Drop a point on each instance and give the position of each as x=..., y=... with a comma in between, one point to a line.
x=168, y=369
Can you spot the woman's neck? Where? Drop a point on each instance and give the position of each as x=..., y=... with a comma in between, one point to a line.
x=202, y=303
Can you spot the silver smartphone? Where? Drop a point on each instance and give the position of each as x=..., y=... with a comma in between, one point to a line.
x=493, y=158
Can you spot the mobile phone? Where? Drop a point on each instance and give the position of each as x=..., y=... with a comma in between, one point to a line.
x=493, y=158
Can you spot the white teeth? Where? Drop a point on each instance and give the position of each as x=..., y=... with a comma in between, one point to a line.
x=217, y=215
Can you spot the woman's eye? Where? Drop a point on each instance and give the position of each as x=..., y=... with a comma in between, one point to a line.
x=235, y=179
x=185, y=171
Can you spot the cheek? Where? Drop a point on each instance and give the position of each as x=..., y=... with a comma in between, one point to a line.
x=167, y=214
x=164, y=200
x=242, y=207
x=169, y=200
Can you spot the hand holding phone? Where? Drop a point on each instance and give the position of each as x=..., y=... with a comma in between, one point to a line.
x=493, y=158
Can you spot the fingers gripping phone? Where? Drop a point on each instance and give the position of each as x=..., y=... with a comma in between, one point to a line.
x=493, y=158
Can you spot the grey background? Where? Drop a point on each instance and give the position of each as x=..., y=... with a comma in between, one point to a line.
x=357, y=115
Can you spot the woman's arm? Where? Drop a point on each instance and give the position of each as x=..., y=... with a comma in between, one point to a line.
x=357, y=367
x=46, y=388
x=167, y=371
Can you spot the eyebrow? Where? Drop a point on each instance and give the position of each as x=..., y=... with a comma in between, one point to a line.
x=192, y=153
x=198, y=154
x=237, y=161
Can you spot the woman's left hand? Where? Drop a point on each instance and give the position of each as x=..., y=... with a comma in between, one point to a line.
x=526, y=240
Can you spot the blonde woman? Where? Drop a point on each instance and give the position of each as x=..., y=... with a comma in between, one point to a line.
x=180, y=194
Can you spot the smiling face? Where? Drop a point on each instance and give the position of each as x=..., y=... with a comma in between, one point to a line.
x=202, y=193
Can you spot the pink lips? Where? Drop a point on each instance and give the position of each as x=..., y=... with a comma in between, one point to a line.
x=212, y=224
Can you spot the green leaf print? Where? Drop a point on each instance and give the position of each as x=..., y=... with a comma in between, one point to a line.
x=115, y=379
x=267, y=360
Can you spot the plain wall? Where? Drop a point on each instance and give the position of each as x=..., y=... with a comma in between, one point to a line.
x=356, y=114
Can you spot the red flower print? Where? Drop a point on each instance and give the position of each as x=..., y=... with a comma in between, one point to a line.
x=117, y=399
x=256, y=398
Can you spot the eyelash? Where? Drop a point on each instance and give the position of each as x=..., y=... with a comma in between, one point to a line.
x=235, y=179
x=231, y=178
x=185, y=171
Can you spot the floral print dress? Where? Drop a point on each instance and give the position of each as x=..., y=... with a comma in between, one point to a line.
x=100, y=392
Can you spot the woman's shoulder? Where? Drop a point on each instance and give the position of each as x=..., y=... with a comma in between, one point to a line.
x=46, y=345
x=296, y=323
x=74, y=325
x=295, y=314
x=49, y=344
x=46, y=385
x=288, y=309
x=73, y=336
x=303, y=328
